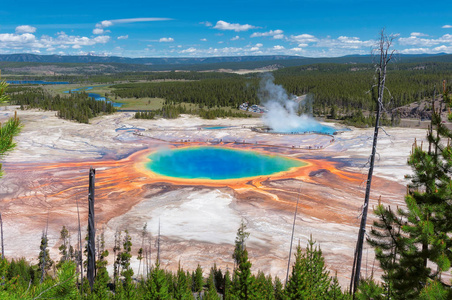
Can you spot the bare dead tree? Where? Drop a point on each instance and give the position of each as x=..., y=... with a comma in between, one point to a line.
x=158, y=245
x=385, y=55
x=291, y=239
x=80, y=257
x=44, y=250
x=91, y=268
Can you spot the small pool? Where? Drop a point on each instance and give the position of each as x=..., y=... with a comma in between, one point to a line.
x=308, y=127
x=129, y=129
x=216, y=127
x=216, y=163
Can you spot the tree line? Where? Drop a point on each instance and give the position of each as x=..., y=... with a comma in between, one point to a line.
x=78, y=107
x=346, y=88
x=20, y=279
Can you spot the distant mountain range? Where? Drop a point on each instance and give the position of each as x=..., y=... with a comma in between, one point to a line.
x=25, y=57
x=198, y=63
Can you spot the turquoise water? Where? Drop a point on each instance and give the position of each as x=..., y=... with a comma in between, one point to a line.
x=310, y=127
x=217, y=163
x=96, y=97
x=216, y=127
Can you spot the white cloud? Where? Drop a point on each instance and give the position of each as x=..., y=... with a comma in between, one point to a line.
x=235, y=38
x=296, y=49
x=189, y=50
x=415, y=51
x=343, y=42
x=123, y=37
x=108, y=23
x=29, y=42
x=203, y=40
x=254, y=49
x=98, y=31
x=418, y=34
x=278, y=47
x=166, y=40
x=447, y=26
x=222, y=25
x=303, y=39
x=276, y=34
x=259, y=45
x=208, y=24
x=25, y=29
x=425, y=42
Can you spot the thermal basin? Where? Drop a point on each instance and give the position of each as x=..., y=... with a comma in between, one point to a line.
x=217, y=163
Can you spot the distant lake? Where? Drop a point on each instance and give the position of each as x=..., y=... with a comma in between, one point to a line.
x=35, y=82
x=96, y=97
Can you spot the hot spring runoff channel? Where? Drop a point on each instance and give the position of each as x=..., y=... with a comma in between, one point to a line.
x=216, y=163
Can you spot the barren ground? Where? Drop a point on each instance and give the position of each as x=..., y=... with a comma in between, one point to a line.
x=48, y=172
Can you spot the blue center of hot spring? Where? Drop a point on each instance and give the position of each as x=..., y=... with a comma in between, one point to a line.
x=217, y=163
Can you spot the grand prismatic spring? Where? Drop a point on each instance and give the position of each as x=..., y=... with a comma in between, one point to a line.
x=217, y=163
x=198, y=216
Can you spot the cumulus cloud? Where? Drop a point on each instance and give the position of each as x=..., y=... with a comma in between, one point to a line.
x=222, y=25
x=303, y=39
x=98, y=31
x=108, y=23
x=447, y=26
x=414, y=40
x=189, y=50
x=166, y=40
x=235, y=38
x=123, y=37
x=28, y=41
x=25, y=29
x=276, y=34
x=278, y=47
x=203, y=40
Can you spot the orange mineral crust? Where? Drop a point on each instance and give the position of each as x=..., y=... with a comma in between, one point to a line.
x=128, y=195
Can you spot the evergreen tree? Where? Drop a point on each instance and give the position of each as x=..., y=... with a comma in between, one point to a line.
x=45, y=263
x=245, y=287
x=309, y=278
x=127, y=272
x=65, y=245
x=157, y=284
x=278, y=289
x=211, y=293
x=412, y=246
x=198, y=280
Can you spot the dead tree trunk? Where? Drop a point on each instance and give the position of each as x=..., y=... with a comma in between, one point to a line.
x=80, y=257
x=384, y=44
x=91, y=231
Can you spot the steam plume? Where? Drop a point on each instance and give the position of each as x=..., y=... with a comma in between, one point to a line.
x=282, y=113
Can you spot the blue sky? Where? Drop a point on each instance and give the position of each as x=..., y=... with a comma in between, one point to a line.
x=194, y=28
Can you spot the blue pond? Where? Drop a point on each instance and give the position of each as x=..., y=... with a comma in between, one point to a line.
x=215, y=127
x=96, y=97
x=313, y=127
x=35, y=82
x=217, y=163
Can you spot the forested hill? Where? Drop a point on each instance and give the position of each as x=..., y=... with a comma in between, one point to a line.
x=12, y=61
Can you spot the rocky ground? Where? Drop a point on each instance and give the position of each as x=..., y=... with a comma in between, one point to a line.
x=47, y=174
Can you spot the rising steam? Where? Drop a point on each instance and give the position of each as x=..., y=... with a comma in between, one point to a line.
x=283, y=111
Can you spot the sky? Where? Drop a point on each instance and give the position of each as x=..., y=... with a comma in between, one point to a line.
x=194, y=28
